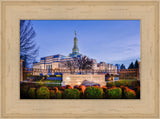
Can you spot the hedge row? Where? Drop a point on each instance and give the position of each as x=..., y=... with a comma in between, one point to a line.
x=81, y=92
x=129, y=83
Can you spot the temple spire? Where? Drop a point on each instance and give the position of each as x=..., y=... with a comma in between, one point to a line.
x=75, y=33
x=75, y=47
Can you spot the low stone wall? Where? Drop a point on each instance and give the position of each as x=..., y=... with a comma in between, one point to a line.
x=72, y=80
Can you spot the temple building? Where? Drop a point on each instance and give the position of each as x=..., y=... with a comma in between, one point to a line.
x=57, y=61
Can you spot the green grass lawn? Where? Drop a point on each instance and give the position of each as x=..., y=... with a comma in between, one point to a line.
x=49, y=81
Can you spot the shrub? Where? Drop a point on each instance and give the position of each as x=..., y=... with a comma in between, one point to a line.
x=93, y=93
x=110, y=84
x=52, y=94
x=129, y=83
x=43, y=93
x=71, y=94
x=124, y=82
x=118, y=83
x=56, y=89
x=96, y=86
x=76, y=86
x=50, y=88
x=135, y=83
x=32, y=93
x=104, y=88
x=59, y=95
x=114, y=93
x=137, y=90
x=24, y=91
x=123, y=89
x=68, y=87
x=82, y=88
x=63, y=88
x=129, y=94
x=81, y=95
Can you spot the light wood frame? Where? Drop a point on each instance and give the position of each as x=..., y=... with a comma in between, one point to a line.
x=146, y=11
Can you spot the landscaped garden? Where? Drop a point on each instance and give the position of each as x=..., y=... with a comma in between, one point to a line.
x=122, y=89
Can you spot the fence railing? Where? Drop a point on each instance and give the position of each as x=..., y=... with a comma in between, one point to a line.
x=122, y=73
x=129, y=74
x=34, y=70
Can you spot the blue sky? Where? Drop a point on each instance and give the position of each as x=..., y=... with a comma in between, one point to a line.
x=111, y=41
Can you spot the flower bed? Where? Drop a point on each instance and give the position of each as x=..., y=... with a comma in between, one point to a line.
x=79, y=92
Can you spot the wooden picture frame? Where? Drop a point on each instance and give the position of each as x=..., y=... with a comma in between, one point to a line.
x=14, y=10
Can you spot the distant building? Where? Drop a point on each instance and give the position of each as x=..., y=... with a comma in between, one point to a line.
x=57, y=61
x=118, y=66
x=106, y=66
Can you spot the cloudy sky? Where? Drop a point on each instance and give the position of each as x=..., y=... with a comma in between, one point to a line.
x=111, y=41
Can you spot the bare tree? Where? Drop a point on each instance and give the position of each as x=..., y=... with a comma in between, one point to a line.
x=71, y=65
x=85, y=63
x=28, y=48
x=80, y=63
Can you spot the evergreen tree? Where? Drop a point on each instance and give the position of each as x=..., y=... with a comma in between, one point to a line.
x=136, y=65
x=131, y=66
x=122, y=66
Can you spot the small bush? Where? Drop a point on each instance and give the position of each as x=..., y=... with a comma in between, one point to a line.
x=114, y=93
x=56, y=89
x=124, y=82
x=93, y=93
x=59, y=95
x=24, y=91
x=104, y=88
x=71, y=94
x=123, y=89
x=138, y=92
x=129, y=94
x=76, y=86
x=52, y=94
x=68, y=87
x=81, y=95
x=118, y=83
x=43, y=93
x=110, y=84
x=62, y=88
x=32, y=93
x=82, y=88
x=135, y=83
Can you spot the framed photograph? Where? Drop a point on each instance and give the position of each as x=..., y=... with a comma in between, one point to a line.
x=79, y=59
